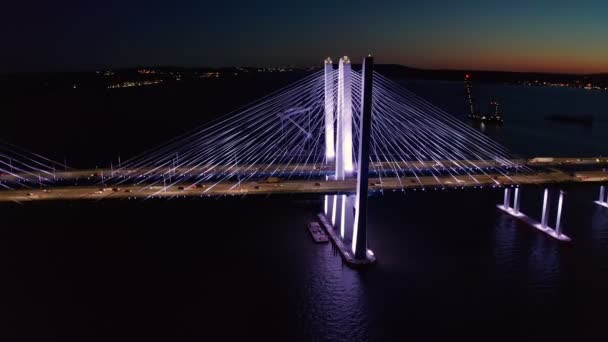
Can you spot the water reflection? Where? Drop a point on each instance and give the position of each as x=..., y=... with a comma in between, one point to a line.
x=543, y=263
x=334, y=304
x=599, y=234
x=506, y=246
x=523, y=253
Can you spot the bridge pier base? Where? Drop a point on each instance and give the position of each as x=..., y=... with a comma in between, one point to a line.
x=603, y=200
x=543, y=225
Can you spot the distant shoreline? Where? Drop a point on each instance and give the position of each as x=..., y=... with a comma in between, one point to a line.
x=582, y=81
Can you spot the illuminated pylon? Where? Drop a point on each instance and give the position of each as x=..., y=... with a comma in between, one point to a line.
x=543, y=225
x=359, y=241
x=348, y=213
x=343, y=210
x=603, y=200
x=344, y=138
x=330, y=150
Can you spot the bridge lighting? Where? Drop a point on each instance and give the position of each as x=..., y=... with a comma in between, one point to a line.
x=558, y=228
x=544, y=215
x=355, y=234
x=259, y=141
x=343, y=216
x=333, y=210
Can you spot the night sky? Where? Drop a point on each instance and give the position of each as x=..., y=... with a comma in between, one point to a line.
x=541, y=35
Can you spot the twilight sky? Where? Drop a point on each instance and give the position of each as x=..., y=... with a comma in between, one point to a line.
x=532, y=35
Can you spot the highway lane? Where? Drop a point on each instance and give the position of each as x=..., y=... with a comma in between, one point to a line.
x=293, y=187
x=298, y=168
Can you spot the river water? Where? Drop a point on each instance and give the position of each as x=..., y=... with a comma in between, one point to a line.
x=449, y=264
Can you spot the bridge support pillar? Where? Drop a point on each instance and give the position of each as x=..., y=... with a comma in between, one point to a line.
x=543, y=225
x=507, y=198
x=603, y=200
x=349, y=217
x=516, y=201
x=334, y=209
x=558, y=220
x=340, y=213
x=328, y=205
x=545, y=214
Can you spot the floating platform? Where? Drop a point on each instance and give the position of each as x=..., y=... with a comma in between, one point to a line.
x=345, y=251
x=526, y=219
x=603, y=204
x=317, y=233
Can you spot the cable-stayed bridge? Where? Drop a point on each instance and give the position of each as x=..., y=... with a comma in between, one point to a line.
x=20, y=167
x=337, y=132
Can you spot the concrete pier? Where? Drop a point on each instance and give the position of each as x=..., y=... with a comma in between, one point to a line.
x=507, y=198
x=558, y=220
x=345, y=252
x=544, y=218
x=516, y=201
x=526, y=219
x=603, y=199
x=542, y=226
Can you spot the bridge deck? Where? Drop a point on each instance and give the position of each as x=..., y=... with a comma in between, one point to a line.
x=303, y=168
x=293, y=187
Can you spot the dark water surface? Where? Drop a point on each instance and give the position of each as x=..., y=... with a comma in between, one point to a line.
x=526, y=131
x=450, y=265
x=246, y=268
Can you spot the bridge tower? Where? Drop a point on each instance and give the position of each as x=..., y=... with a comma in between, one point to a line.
x=344, y=144
x=359, y=241
x=343, y=208
x=348, y=213
x=330, y=150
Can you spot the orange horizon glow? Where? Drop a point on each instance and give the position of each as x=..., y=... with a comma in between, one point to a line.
x=508, y=61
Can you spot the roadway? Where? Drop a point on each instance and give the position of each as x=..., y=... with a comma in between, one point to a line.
x=294, y=187
x=298, y=168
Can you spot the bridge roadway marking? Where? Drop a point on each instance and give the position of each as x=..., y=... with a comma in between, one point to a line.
x=307, y=168
x=292, y=187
